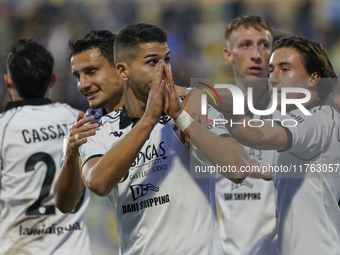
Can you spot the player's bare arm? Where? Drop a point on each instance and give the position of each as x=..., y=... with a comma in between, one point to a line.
x=194, y=105
x=102, y=174
x=218, y=150
x=69, y=187
x=270, y=136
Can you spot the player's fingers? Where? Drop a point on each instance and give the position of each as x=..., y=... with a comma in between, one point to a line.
x=87, y=127
x=83, y=128
x=161, y=87
x=80, y=115
x=81, y=138
x=83, y=121
x=169, y=78
x=157, y=78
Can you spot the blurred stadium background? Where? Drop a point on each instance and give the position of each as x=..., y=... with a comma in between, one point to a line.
x=196, y=39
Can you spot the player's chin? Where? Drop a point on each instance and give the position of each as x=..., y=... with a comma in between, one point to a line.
x=95, y=104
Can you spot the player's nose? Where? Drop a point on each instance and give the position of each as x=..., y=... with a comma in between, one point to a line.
x=84, y=83
x=256, y=55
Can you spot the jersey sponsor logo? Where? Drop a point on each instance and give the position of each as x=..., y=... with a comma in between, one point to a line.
x=147, y=203
x=139, y=190
x=54, y=229
x=152, y=158
x=153, y=167
x=247, y=196
x=82, y=153
x=151, y=152
x=117, y=134
x=242, y=196
x=44, y=133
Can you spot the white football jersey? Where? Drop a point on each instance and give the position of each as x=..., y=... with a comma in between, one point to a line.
x=248, y=222
x=31, y=142
x=158, y=206
x=308, y=189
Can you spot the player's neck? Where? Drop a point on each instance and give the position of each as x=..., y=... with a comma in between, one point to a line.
x=115, y=103
x=135, y=107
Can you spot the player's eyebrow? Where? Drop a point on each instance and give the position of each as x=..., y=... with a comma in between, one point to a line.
x=281, y=64
x=285, y=63
x=156, y=55
x=85, y=68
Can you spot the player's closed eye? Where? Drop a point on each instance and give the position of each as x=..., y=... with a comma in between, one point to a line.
x=91, y=71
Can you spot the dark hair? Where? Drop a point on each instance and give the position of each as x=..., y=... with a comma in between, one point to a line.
x=30, y=67
x=130, y=37
x=101, y=39
x=254, y=21
x=314, y=58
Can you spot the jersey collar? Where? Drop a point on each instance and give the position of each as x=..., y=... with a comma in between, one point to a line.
x=31, y=101
x=125, y=120
x=314, y=104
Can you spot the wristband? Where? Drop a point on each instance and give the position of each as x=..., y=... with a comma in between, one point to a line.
x=183, y=120
x=65, y=142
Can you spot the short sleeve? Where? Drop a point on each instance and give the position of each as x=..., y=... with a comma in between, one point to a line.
x=96, y=146
x=307, y=135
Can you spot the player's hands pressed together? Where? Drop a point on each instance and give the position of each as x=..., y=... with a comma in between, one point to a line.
x=155, y=101
x=172, y=105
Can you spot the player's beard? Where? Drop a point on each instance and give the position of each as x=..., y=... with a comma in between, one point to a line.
x=140, y=86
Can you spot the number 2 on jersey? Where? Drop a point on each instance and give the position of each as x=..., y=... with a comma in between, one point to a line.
x=37, y=208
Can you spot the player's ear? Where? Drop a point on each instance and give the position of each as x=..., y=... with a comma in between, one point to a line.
x=228, y=56
x=12, y=91
x=53, y=79
x=8, y=81
x=314, y=79
x=123, y=70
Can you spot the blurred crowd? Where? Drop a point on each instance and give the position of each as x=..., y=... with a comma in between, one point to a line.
x=195, y=29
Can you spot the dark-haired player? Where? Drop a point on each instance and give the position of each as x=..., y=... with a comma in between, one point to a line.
x=137, y=160
x=30, y=150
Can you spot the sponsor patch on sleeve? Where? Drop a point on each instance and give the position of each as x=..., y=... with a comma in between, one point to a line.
x=82, y=153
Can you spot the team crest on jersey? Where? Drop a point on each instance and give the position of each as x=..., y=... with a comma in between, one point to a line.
x=139, y=190
x=164, y=119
